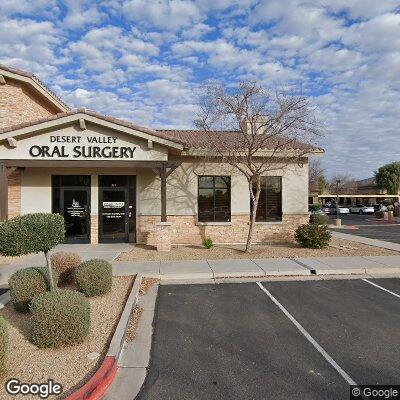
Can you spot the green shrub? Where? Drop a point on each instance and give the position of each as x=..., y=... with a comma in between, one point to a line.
x=313, y=236
x=31, y=233
x=64, y=263
x=319, y=219
x=208, y=243
x=3, y=344
x=60, y=318
x=315, y=207
x=378, y=214
x=94, y=277
x=26, y=283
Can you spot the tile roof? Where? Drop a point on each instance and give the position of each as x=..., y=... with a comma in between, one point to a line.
x=93, y=114
x=37, y=81
x=229, y=140
x=188, y=138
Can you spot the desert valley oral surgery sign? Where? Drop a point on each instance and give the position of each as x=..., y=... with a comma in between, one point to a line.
x=98, y=147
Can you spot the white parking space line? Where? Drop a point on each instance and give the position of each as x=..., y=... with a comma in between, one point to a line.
x=327, y=357
x=382, y=288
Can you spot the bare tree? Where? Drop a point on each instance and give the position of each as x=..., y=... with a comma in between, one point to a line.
x=317, y=181
x=263, y=131
x=343, y=184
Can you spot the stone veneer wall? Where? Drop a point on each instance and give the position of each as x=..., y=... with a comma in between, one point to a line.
x=94, y=228
x=14, y=194
x=185, y=231
x=18, y=105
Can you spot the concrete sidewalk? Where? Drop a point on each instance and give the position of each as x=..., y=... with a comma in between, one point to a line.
x=87, y=251
x=229, y=268
x=365, y=240
x=218, y=269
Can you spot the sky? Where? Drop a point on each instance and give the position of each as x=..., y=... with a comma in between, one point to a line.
x=144, y=60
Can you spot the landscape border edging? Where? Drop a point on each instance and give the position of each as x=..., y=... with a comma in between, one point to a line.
x=96, y=387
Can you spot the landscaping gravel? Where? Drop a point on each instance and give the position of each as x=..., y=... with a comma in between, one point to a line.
x=338, y=247
x=68, y=366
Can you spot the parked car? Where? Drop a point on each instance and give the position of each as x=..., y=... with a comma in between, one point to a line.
x=326, y=209
x=341, y=210
x=362, y=209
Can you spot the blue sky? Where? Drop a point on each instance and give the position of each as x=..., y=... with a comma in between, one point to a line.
x=143, y=60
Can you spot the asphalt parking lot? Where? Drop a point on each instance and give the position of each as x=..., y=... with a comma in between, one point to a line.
x=274, y=340
x=368, y=226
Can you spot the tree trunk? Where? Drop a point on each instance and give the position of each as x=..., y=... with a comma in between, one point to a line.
x=253, y=212
x=48, y=261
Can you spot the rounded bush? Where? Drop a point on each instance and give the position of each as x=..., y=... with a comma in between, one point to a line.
x=315, y=207
x=60, y=318
x=313, y=236
x=31, y=233
x=94, y=277
x=3, y=344
x=319, y=219
x=64, y=263
x=208, y=243
x=26, y=283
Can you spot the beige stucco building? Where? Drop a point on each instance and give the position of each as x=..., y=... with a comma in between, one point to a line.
x=116, y=181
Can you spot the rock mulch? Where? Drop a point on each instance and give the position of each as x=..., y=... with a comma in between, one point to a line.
x=133, y=323
x=338, y=247
x=69, y=366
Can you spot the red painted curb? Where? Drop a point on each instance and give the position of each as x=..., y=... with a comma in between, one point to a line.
x=97, y=385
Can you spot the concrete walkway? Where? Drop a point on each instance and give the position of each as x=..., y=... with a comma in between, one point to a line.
x=87, y=251
x=230, y=268
x=371, y=242
x=218, y=269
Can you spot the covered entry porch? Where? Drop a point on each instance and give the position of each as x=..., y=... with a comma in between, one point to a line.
x=101, y=202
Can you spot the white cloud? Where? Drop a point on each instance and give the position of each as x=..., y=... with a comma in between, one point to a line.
x=25, y=7
x=162, y=14
x=378, y=34
x=81, y=13
x=29, y=45
x=141, y=60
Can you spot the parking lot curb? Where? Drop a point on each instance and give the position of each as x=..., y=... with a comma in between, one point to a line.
x=135, y=358
x=117, y=342
x=96, y=387
x=4, y=299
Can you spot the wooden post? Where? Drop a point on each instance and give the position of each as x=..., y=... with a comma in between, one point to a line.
x=163, y=176
x=3, y=193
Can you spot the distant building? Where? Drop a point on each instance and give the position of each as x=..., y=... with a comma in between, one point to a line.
x=366, y=192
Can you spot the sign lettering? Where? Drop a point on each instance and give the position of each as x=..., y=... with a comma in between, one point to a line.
x=83, y=150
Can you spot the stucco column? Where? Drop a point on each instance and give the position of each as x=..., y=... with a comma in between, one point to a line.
x=3, y=192
x=94, y=207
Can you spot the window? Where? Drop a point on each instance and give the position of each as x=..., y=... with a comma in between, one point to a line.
x=270, y=202
x=214, y=199
x=60, y=181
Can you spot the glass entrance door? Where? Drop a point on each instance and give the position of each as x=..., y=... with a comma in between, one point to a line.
x=75, y=209
x=114, y=215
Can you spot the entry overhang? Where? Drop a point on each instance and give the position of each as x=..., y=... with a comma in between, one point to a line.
x=62, y=139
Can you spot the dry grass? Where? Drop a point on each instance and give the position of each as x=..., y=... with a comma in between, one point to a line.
x=133, y=323
x=68, y=366
x=146, y=284
x=338, y=247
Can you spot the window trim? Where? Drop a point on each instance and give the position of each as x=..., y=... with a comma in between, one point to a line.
x=213, y=188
